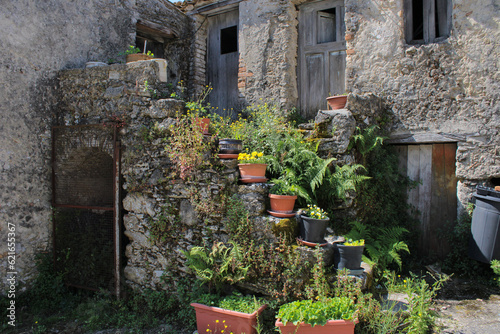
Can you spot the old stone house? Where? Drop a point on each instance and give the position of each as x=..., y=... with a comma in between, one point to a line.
x=431, y=65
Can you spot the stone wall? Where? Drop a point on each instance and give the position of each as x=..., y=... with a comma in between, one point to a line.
x=450, y=87
x=165, y=214
x=103, y=95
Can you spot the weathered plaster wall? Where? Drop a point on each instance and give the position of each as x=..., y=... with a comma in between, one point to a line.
x=448, y=87
x=38, y=39
x=268, y=51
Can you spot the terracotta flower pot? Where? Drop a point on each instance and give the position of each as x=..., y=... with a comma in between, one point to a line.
x=252, y=171
x=331, y=327
x=337, y=102
x=203, y=123
x=215, y=320
x=137, y=56
x=282, y=203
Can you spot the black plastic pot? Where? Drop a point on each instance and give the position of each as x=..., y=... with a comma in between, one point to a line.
x=350, y=256
x=313, y=230
x=230, y=146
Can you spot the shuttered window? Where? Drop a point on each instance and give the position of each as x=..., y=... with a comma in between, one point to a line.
x=427, y=21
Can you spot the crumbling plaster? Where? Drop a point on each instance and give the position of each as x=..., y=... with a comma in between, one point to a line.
x=448, y=87
x=40, y=38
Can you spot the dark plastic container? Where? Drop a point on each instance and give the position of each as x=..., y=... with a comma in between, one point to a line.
x=485, y=242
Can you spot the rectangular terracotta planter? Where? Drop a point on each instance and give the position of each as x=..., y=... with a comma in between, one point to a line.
x=216, y=319
x=331, y=327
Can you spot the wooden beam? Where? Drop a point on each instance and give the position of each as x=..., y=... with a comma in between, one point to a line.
x=154, y=29
x=425, y=138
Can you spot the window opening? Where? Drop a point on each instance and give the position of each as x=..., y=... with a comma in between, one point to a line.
x=418, y=20
x=327, y=26
x=427, y=21
x=229, y=40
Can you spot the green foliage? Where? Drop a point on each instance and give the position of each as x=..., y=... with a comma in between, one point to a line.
x=239, y=303
x=495, y=266
x=199, y=106
x=188, y=149
x=382, y=244
x=164, y=227
x=382, y=199
x=456, y=260
x=237, y=222
x=218, y=265
x=315, y=212
x=317, y=312
x=130, y=50
x=283, y=187
x=351, y=242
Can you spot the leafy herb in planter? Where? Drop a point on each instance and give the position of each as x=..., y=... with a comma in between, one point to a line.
x=240, y=303
x=317, y=312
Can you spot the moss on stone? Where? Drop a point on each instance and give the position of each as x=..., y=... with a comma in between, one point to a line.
x=286, y=227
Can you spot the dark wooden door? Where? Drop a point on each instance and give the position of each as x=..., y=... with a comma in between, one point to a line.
x=322, y=54
x=435, y=198
x=222, y=61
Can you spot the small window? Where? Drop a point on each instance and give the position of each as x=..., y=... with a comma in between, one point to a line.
x=327, y=26
x=229, y=40
x=427, y=21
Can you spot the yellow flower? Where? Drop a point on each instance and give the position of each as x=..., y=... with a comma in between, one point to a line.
x=260, y=154
x=254, y=154
x=217, y=321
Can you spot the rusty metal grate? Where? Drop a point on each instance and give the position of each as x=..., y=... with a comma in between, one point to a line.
x=85, y=199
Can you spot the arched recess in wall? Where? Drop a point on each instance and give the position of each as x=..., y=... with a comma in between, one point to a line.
x=321, y=53
x=86, y=201
x=430, y=159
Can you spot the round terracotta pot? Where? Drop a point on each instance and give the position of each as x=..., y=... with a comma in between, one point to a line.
x=282, y=203
x=252, y=171
x=337, y=102
x=203, y=123
x=137, y=56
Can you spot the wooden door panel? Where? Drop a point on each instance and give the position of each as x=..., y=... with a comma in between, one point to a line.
x=336, y=72
x=435, y=198
x=321, y=31
x=222, y=66
x=315, y=79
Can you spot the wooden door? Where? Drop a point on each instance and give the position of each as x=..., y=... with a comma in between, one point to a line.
x=435, y=198
x=222, y=61
x=322, y=54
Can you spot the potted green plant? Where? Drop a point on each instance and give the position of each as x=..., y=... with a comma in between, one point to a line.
x=252, y=167
x=233, y=314
x=314, y=222
x=201, y=110
x=325, y=316
x=134, y=54
x=351, y=252
x=282, y=195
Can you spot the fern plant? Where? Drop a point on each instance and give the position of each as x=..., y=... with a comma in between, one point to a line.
x=218, y=265
x=383, y=245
